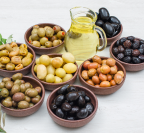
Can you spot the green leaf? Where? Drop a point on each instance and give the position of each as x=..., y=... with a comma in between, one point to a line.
x=4, y=40
x=1, y=43
x=9, y=40
x=0, y=89
x=0, y=37
x=2, y=131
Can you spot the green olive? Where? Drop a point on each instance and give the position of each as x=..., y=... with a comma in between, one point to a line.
x=13, y=44
x=15, y=48
x=4, y=92
x=34, y=31
x=18, y=81
x=56, y=29
x=53, y=38
x=4, y=53
x=10, y=66
x=48, y=44
x=19, y=66
x=35, y=27
x=2, y=85
x=14, y=53
x=6, y=79
x=36, y=99
x=46, y=27
x=8, y=98
x=7, y=103
x=22, y=88
x=31, y=93
x=28, y=85
x=23, y=105
x=22, y=82
x=31, y=104
x=43, y=40
x=38, y=89
x=2, y=66
x=15, y=89
x=42, y=46
x=17, y=76
x=56, y=42
x=23, y=46
x=29, y=55
x=16, y=60
x=41, y=32
x=61, y=34
x=14, y=104
x=60, y=41
x=36, y=43
x=26, y=61
x=23, y=51
x=5, y=60
x=2, y=47
x=9, y=48
x=34, y=37
x=30, y=38
x=9, y=84
x=28, y=99
x=49, y=32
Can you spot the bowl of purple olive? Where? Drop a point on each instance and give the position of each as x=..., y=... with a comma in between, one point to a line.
x=110, y=24
x=129, y=51
x=72, y=105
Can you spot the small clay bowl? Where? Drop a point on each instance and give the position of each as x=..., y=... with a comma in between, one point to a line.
x=31, y=110
x=112, y=39
x=24, y=71
x=72, y=123
x=102, y=90
x=127, y=66
x=52, y=86
x=41, y=51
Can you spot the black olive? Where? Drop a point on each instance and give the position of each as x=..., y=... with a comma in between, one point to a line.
x=81, y=101
x=142, y=46
x=113, y=19
x=127, y=52
x=131, y=38
x=116, y=26
x=71, y=103
x=70, y=118
x=121, y=49
x=89, y=108
x=72, y=96
x=81, y=93
x=141, y=57
x=66, y=106
x=53, y=106
x=127, y=44
x=115, y=50
x=59, y=99
x=63, y=89
x=135, y=52
x=127, y=59
x=141, y=50
x=74, y=110
x=136, y=60
x=104, y=14
x=120, y=56
x=99, y=23
x=115, y=33
x=83, y=113
x=135, y=45
x=71, y=88
x=66, y=101
x=117, y=43
x=59, y=113
x=141, y=41
x=122, y=40
x=87, y=99
x=65, y=115
x=109, y=29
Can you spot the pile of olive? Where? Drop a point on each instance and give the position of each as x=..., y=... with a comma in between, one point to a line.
x=57, y=69
x=110, y=24
x=46, y=37
x=15, y=93
x=71, y=104
x=13, y=57
x=129, y=50
x=101, y=73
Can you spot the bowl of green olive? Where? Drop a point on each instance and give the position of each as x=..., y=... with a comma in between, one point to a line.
x=21, y=95
x=15, y=58
x=45, y=38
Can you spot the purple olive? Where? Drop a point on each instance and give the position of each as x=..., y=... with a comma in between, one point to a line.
x=83, y=113
x=90, y=108
x=81, y=101
x=66, y=106
x=59, y=100
x=59, y=113
x=72, y=96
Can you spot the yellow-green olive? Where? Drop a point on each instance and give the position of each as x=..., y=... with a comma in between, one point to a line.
x=56, y=43
x=16, y=60
x=49, y=32
x=23, y=88
x=18, y=81
x=10, y=66
x=35, y=37
x=2, y=66
x=5, y=60
x=7, y=103
x=61, y=34
x=4, y=53
x=43, y=40
x=13, y=53
x=35, y=68
x=23, y=105
x=42, y=46
x=28, y=85
x=36, y=43
x=15, y=89
x=46, y=27
x=9, y=85
x=28, y=99
x=4, y=92
x=9, y=48
x=15, y=48
x=29, y=55
x=48, y=44
x=36, y=99
x=60, y=41
x=45, y=60
x=50, y=78
x=18, y=67
x=2, y=47
x=21, y=57
x=6, y=79
x=26, y=61
x=8, y=98
x=13, y=44
x=41, y=32
x=56, y=29
x=2, y=85
x=38, y=61
x=38, y=89
x=34, y=31
x=17, y=76
x=14, y=104
x=23, y=51
x=31, y=104
x=35, y=27
x=30, y=38
x=31, y=93
x=23, y=46
x=41, y=71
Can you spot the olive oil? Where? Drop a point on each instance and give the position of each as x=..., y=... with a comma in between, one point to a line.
x=82, y=39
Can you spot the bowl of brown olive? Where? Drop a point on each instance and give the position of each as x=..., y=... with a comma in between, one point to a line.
x=45, y=38
x=72, y=105
x=14, y=58
x=129, y=51
x=21, y=95
x=102, y=75
x=110, y=24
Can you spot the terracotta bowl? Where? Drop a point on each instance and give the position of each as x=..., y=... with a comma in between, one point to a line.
x=112, y=39
x=24, y=71
x=102, y=90
x=41, y=51
x=31, y=110
x=52, y=86
x=75, y=123
x=127, y=66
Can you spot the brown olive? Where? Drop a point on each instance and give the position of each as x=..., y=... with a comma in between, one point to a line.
x=102, y=77
x=14, y=104
x=16, y=60
x=48, y=44
x=38, y=89
x=6, y=79
x=121, y=72
x=93, y=65
x=36, y=99
x=85, y=74
x=28, y=99
x=4, y=92
x=97, y=85
x=23, y=105
x=104, y=62
x=91, y=72
x=118, y=78
x=10, y=66
x=113, y=70
x=89, y=81
x=105, y=84
x=95, y=79
x=2, y=85
x=97, y=59
x=53, y=38
x=17, y=76
x=15, y=89
x=109, y=77
x=7, y=103
x=18, y=67
x=105, y=69
x=9, y=84
x=19, y=96
x=98, y=70
x=56, y=29
x=111, y=62
x=113, y=83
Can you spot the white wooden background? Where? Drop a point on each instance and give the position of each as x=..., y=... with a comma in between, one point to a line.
x=121, y=112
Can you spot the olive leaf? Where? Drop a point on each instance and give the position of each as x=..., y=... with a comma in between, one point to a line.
x=9, y=40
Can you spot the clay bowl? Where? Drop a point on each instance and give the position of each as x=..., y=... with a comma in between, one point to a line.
x=75, y=123
x=31, y=110
x=24, y=71
x=102, y=90
x=52, y=86
x=112, y=39
x=41, y=51
x=127, y=66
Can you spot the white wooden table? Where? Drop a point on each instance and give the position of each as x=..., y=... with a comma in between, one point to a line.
x=121, y=112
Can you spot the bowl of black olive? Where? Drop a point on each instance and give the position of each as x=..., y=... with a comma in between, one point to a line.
x=72, y=105
x=129, y=51
x=110, y=24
